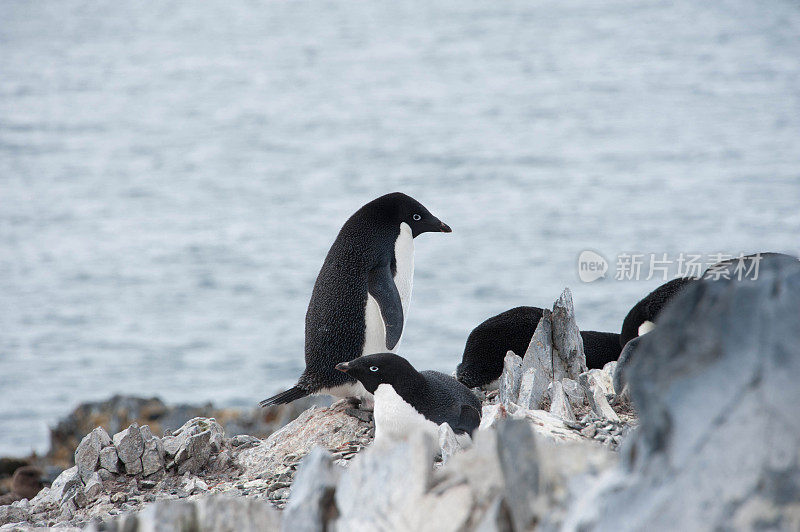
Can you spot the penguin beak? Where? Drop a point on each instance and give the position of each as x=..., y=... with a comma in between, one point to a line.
x=444, y=228
x=343, y=367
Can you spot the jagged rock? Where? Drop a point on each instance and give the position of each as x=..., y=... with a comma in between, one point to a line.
x=567, y=340
x=575, y=393
x=491, y=414
x=192, y=445
x=109, y=459
x=716, y=386
x=559, y=404
x=118, y=412
x=64, y=487
x=130, y=446
x=595, y=389
x=153, y=454
x=386, y=487
x=311, y=506
x=217, y=513
x=331, y=428
x=496, y=519
x=93, y=487
x=547, y=425
x=244, y=440
x=195, y=485
x=510, y=378
x=537, y=367
x=519, y=462
x=448, y=443
x=87, y=454
x=161, y=516
x=13, y=514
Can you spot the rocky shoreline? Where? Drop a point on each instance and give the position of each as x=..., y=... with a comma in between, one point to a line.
x=708, y=446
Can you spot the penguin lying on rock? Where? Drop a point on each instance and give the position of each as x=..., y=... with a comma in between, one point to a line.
x=641, y=318
x=488, y=343
x=362, y=293
x=407, y=400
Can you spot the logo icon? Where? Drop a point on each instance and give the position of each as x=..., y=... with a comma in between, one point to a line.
x=591, y=266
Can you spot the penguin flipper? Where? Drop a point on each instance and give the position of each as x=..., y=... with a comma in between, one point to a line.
x=383, y=289
x=468, y=420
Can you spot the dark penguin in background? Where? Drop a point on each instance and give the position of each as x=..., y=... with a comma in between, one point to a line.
x=641, y=318
x=25, y=484
x=407, y=400
x=360, y=299
x=488, y=343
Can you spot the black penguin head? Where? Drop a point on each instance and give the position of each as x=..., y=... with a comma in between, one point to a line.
x=399, y=208
x=381, y=368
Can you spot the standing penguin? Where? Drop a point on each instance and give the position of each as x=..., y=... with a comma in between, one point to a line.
x=360, y=299
x=407, y=400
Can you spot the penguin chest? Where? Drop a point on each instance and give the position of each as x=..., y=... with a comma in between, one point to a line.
x=395, y=419
x=375, y=331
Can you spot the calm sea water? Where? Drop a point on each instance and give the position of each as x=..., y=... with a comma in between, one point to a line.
x=172, y=175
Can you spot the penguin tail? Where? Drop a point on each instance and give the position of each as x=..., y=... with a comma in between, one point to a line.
x=292, y=394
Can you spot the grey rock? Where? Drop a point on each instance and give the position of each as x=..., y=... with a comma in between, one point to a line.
x=12, y=514
x=491, y=414
x=496, y=519
x=510, y=378
x=228, y=514
x=192, y=445
x=87, y=454
x=559, y=404
x=625, y=358
x=385, y=483
x=714, y=384
x=519, y=461
x=93, y=487
x=64, y=487
x=109, y=459
x=153, y=455
x=331, y=428
x=448, y=443
x=130, y=446
x=161, y=516
x=311, y=506
x=537, y=366
x=567, y=340
x=575, y=393
x=244, y=440
x=195, y=485
x=595, y=393
x=386, y=487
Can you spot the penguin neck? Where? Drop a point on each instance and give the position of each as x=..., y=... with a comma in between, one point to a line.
x=412, y=386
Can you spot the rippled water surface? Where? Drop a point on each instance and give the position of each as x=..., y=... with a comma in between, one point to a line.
x=172, y=174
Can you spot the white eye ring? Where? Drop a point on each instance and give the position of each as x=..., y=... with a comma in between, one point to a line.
x=373, y=368
x=417, y=217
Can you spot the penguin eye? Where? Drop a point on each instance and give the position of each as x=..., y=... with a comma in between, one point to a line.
x=373, y=368
x=417, y=217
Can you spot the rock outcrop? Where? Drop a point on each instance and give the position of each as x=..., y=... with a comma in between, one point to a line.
x=120, y=411
x=716, y=448
x=715, y=385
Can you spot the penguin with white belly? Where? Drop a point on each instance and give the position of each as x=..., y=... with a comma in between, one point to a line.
x=407, y=400
x=361, y=297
